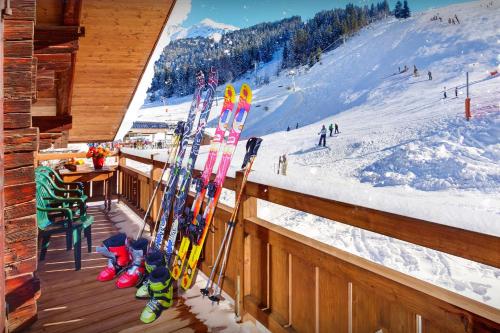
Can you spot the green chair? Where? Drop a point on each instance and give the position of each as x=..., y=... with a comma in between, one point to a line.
x=52, y=220
x=46, y=178
x=57, y=178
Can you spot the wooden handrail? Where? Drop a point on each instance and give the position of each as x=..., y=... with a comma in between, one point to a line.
x=467, y=244
x=62, y=156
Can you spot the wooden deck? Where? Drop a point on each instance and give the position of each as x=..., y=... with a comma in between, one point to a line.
x=76, y=302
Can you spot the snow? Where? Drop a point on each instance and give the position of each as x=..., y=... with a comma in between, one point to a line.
x=402, y=148
x=206, y=28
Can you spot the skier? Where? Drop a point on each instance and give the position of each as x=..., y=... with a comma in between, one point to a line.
x=399, y=69
x=456, y=92
x=288, y=129
x=279, y=164
x=297, y=126
x=330, y=128
x=322, y=138
x=284, y=164
x=456, y=17
x=449, y=20
x=415, y=71
x=429, y=74
x=444, y=93
x=336, y=129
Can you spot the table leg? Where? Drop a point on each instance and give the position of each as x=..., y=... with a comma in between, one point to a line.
x=108, y=188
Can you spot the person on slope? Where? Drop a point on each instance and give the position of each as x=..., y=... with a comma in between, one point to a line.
x=429, y=74
x=330, y=128
x=288, y=129
x=284, y=165
x=456, y=92
x=415, y=71
x=297, y=126
x=444, y=93
x=336, y=128
x=322, y=138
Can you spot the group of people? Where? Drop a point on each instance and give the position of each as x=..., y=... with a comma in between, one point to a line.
x=296, y=127
x=322, y=133
x=445, y=95
x=451, y=20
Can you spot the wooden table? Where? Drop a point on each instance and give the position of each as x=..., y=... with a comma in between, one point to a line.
x=86, y=173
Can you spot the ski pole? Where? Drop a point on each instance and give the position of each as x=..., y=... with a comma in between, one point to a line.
x=173, y=152
x=216, y=297
x=253, y=145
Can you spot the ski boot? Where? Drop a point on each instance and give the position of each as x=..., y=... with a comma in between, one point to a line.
x=135, y=273
x=153, y=260
x=115, y=248
x=161, y=294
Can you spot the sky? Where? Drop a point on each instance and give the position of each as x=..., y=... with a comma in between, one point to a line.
x=245, y=13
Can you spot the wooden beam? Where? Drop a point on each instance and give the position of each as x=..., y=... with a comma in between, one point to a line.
x=52, y=123
x=72, y=12
x=18, y=49
x=18, y=30
x=21, y=140
x=55, y=61
x=17, y=120
x=17, y=105
x=57, y=39
x=22, y=10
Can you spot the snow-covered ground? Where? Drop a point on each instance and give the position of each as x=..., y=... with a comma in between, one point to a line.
x=402, y=148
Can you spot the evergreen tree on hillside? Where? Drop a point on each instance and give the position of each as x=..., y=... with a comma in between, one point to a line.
x=398, y=10
x=406, y=10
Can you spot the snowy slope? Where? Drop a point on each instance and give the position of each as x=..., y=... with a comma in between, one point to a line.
x=402, y=148
x=206, y=28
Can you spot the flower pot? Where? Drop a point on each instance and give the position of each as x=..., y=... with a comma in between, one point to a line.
x=98, y=162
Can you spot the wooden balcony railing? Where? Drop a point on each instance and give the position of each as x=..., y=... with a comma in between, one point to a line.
x=292, y=283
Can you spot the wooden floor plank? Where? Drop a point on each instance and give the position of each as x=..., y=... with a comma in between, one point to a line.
x=74, y=301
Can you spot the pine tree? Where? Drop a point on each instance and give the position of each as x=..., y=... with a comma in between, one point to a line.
x=406, y=10
x=318, y=54
x=398, y=10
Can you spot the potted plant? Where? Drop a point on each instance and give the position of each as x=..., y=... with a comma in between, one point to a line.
x=98, y=155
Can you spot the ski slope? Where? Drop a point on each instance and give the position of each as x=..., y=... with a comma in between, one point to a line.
x=402, y=148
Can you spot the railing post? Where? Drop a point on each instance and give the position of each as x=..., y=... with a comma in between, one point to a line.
x=248, y=208
x=154, y=177
x=121, y=164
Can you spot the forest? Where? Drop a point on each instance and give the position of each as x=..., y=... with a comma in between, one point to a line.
x=240, y=51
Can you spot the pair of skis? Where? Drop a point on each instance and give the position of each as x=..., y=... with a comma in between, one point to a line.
x=176, y=170
x=215, y=295
x=197, y=224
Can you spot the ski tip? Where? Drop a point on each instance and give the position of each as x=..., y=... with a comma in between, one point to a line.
x=246, y=93
x=230, y=93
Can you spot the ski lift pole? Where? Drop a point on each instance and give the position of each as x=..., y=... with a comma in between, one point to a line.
x=467, y=99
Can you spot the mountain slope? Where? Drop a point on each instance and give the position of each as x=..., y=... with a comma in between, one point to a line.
x=206, y=28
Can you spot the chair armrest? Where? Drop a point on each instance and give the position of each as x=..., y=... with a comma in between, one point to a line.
x=66, y=211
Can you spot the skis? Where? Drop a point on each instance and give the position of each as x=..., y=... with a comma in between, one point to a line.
x=177, y=137
x=200, y=224
x=180, y=199
x=171, y=187
x=253, y=145
x=215, y=144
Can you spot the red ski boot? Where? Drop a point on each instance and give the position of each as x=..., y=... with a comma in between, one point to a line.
x=135, y=273
x=115, y=248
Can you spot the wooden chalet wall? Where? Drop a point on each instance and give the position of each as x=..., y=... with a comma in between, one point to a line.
x=21, y=141
x=2, y=228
